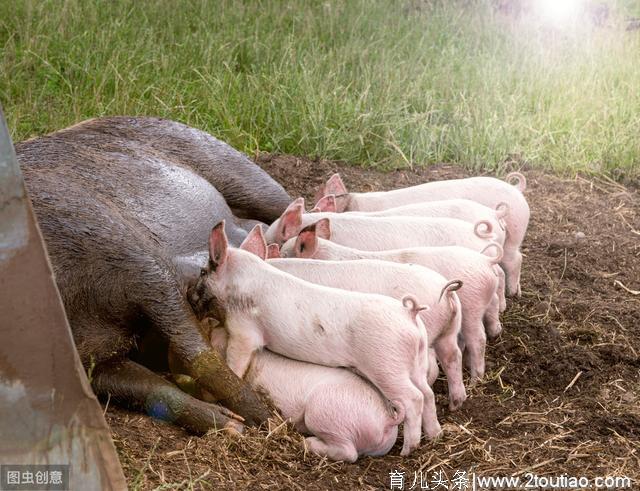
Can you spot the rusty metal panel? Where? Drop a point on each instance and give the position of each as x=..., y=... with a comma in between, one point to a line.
x=48, y=413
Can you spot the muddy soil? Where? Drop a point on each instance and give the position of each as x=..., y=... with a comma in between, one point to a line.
x=562, y=392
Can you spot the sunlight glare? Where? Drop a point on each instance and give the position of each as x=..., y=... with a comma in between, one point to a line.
x=559, y=11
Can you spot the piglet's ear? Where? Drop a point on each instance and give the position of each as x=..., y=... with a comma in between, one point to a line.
x=320, y=192
x=290, y=222
x=255, y=243
x=323, y=229
x=335, y=185
x=218, y=245
x=295, y=203
x=326, y=204
x=273, y=251
x=307, y=242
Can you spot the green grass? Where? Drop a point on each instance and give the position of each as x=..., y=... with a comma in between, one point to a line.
x=385, y=83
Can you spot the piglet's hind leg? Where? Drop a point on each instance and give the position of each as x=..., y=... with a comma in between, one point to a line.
x=335, y=450
x=491, y=318
x=412, y=400
x=430, y=423
x=451, y=359
x=475, y=341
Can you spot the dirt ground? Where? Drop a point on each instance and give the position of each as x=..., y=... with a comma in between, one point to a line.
x=562, y=392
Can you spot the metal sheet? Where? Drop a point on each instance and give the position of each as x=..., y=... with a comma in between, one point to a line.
x=48, y=413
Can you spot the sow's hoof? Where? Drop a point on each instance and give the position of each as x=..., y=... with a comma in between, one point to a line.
x=234, y=428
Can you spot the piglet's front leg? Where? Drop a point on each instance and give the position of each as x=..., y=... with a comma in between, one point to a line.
x=243, y=342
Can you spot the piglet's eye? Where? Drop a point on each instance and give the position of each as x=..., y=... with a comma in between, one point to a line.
x=203, y=272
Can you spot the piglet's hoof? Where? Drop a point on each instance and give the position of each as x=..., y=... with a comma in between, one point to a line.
x=475, y=378
x=456, y=403
x=433, y=432
x=494, y=332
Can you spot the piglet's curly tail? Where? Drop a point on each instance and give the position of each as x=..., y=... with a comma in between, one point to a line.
x=410, y=302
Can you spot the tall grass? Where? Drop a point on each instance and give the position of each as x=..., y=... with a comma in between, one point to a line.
x=375, y=82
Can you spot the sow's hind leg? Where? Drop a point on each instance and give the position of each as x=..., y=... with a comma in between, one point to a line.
x=172, y=317
x=249, y=190
x=134, y=386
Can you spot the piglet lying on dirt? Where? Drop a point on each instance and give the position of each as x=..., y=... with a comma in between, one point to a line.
x=488, y=191
x=479, y=296
x=442, y=319
x=344, y=412
x=381, y=338
x=381, y=233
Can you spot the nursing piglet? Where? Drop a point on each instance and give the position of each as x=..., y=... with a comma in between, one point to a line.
x=382, y=339
x=442, y=319
x=462, y=209
x=488, y=191
x=381, y=233
x=345, y=414
x=479, y=297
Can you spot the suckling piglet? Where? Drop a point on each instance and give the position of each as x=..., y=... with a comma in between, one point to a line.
x=381, y=338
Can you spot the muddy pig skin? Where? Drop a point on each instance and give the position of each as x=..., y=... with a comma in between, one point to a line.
x=345, y=414
x=117, y=200
x=442, y=319
x=248, y=190
x=381, y=233
x=190, y=179
x=488, y=191
x=380, y=337
x=479, y=296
